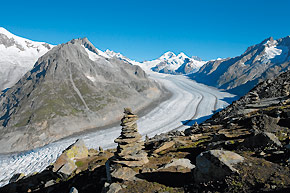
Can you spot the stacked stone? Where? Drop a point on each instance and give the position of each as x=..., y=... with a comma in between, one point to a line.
x=254, y=97
x=130, y=145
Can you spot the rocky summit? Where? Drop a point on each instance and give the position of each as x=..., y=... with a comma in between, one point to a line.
x=130, y=145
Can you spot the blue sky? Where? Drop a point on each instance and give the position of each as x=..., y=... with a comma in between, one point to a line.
x=144, y=30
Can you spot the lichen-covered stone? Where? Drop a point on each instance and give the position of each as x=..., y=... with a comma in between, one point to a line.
x=65, y=163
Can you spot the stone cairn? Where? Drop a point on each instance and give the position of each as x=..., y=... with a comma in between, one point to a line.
x=130, y=145
x=254, y=97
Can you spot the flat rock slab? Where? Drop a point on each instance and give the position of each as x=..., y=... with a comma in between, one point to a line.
x=133, y=163
x=178, y=165
x=164, y=146
x=124, y=173
x=180, y=162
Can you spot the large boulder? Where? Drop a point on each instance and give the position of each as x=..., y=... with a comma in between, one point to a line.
x=262, y=140
x=65, y=163
x=216, y=165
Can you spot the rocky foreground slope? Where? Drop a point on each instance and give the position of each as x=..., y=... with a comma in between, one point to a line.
x=240, y=74
x=243, y=148
x=70, y=89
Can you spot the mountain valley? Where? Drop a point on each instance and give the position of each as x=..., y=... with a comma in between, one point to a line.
x=188, y=125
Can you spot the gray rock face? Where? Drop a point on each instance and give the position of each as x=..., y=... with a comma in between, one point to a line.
x=215, y=165
x=263, y=139
x=124, y=173
x=242, y=73
x=71, y=88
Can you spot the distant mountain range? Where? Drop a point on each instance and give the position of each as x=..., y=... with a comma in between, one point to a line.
x=240, y=74
x=237, y=75
x=174, y=64
x=17, y=56
x=168, y=63
x=73, y=87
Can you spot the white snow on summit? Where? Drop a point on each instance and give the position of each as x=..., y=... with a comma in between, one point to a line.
x=275, y=53
x=92, y=55
x=112, y=54
x=167, y=63
x=173, y=64
x=17, y=56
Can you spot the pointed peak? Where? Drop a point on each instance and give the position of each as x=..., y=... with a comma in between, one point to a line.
x=109, y=51
x=168, y=55
x=86, y=43
x=267, y=40
x=181, y=55
x=196, y=58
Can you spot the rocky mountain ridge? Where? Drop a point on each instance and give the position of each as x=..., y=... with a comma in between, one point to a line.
x=240, y=74
x=71, y=88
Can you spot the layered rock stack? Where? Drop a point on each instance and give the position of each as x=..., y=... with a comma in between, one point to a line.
x=130, y=145
x=192, y=130
x=254, y=97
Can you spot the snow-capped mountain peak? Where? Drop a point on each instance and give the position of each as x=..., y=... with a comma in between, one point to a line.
x=167, y=55
x=17, y=56
x=5, y=32
x=181, y=55
x=173, y=64
x=120, y=56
